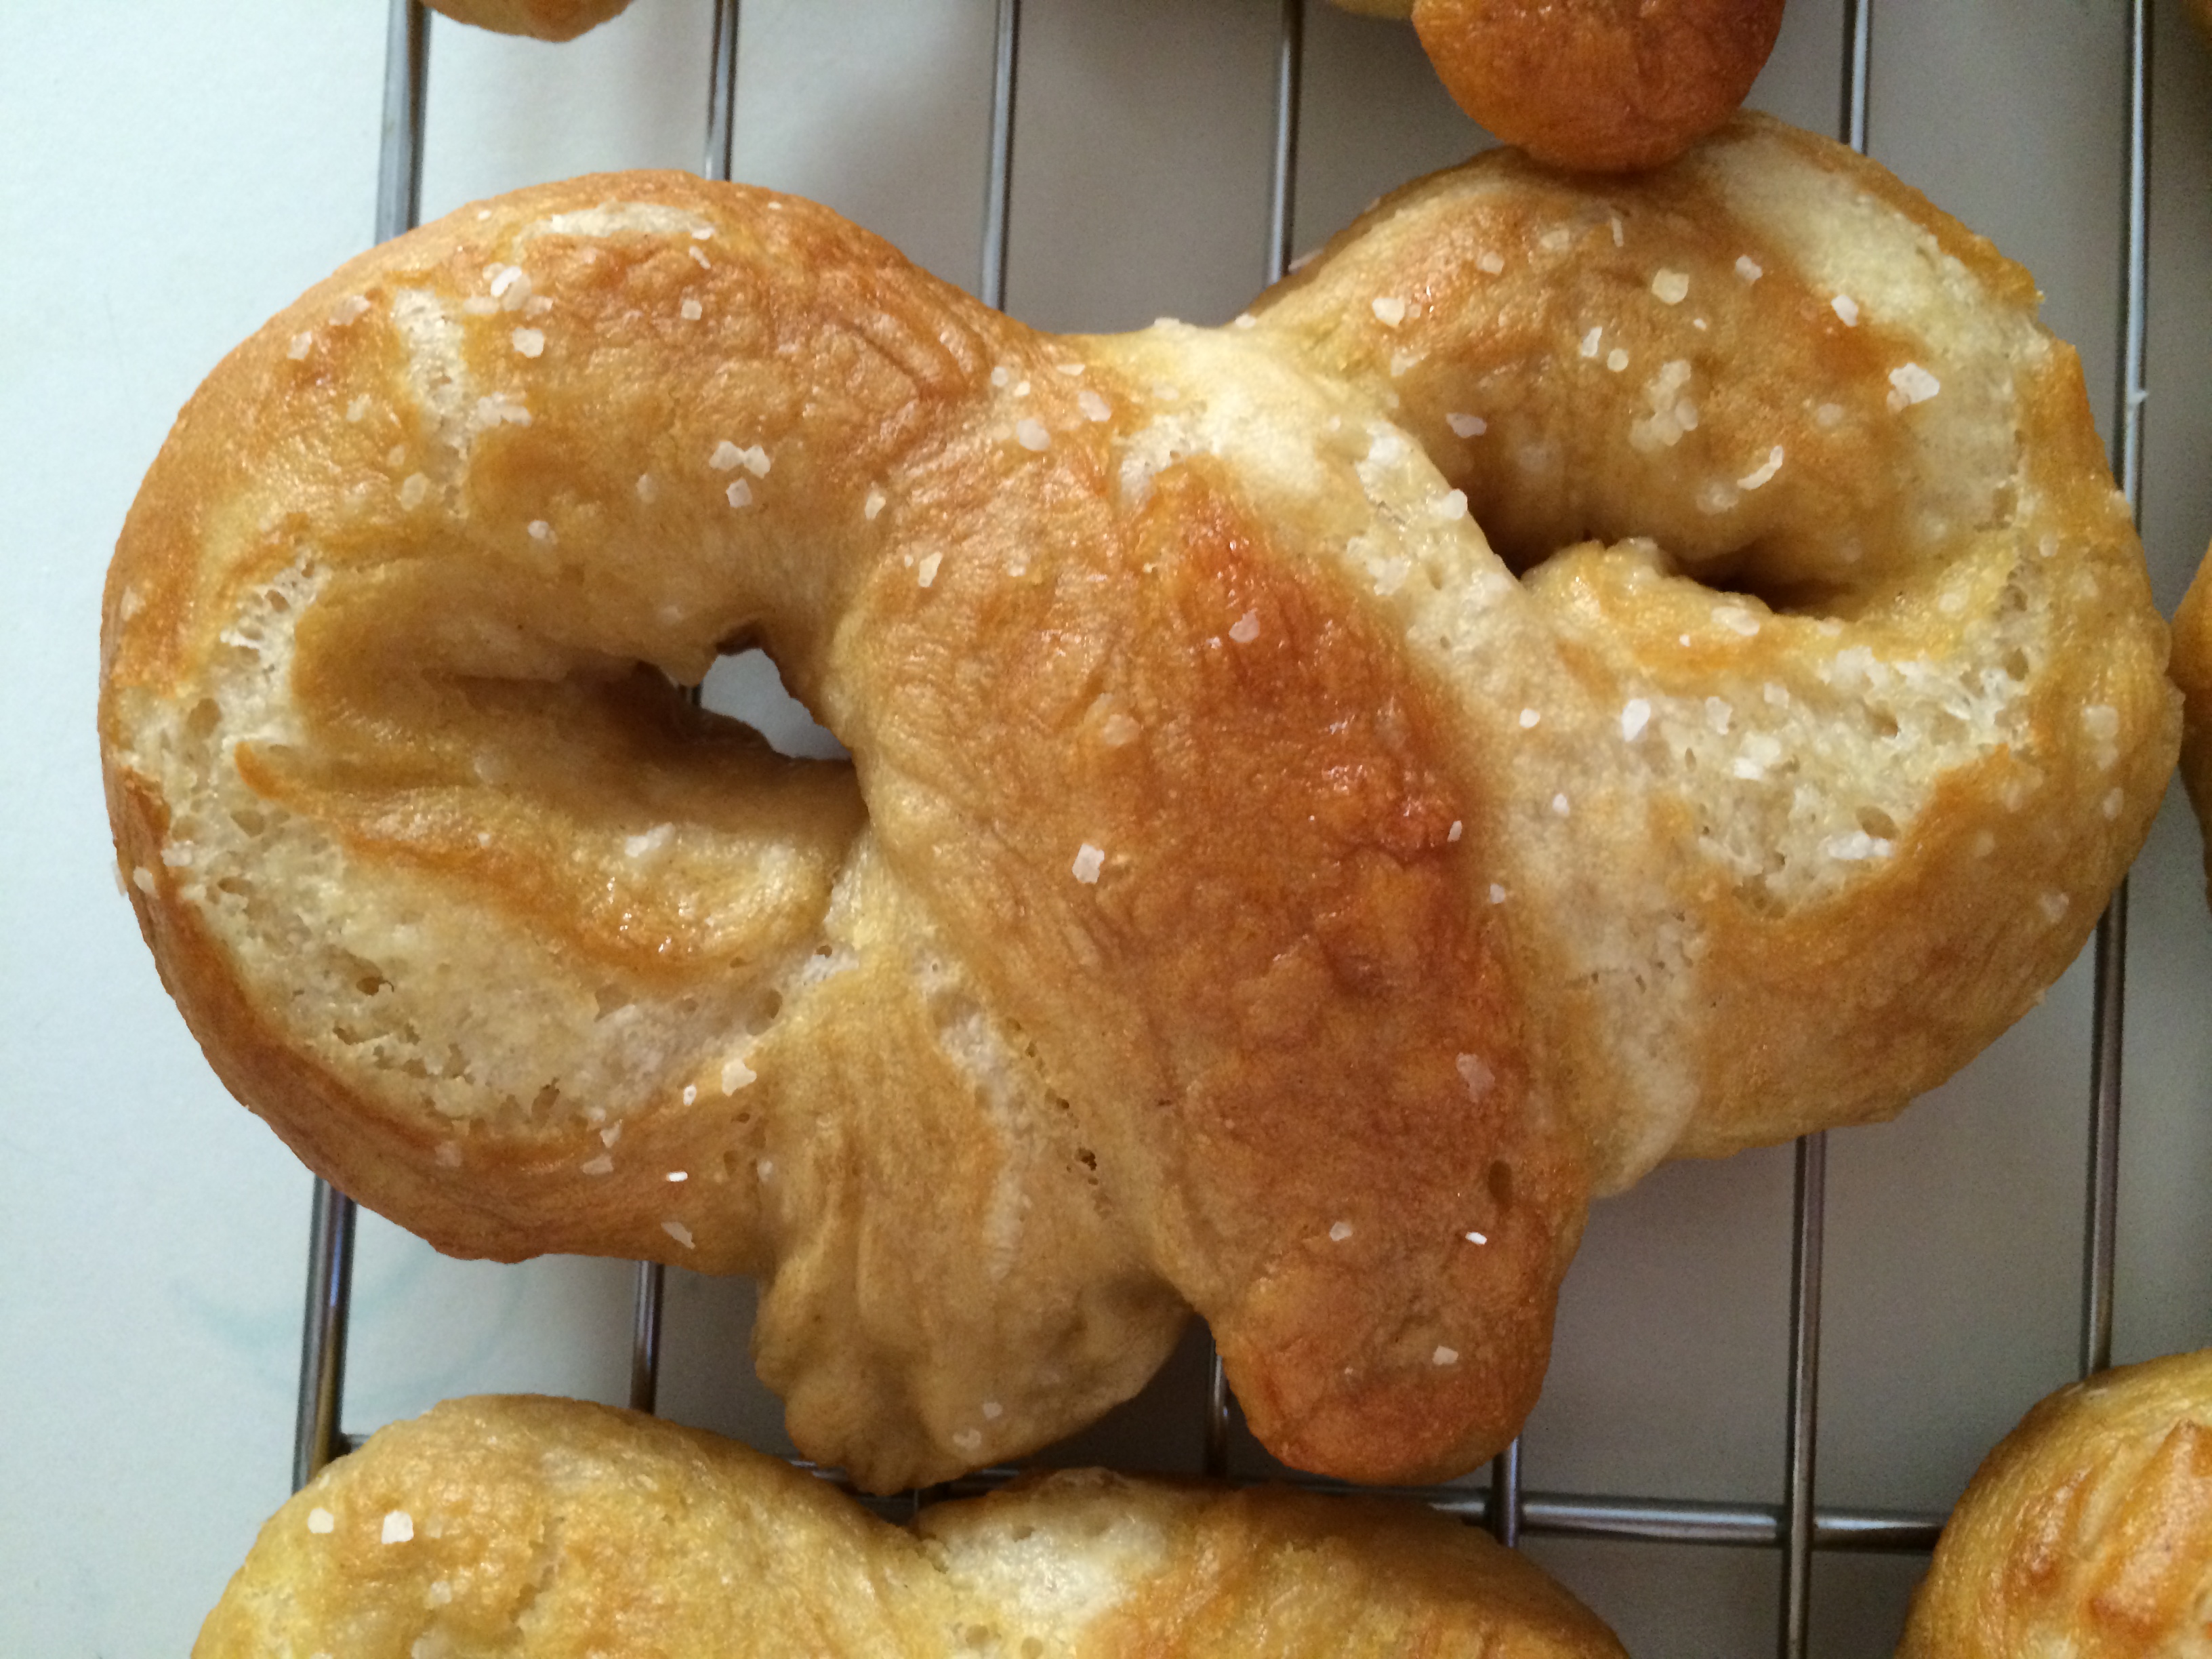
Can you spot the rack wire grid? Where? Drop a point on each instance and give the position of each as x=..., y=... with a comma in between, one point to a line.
x=1795, y=1528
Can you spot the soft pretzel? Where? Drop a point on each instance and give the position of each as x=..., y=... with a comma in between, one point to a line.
x=534, y=1527
x=2087, y=1534
x=1604, y=85
x=2192, y=671
x=541, y=20
x=1245, y=894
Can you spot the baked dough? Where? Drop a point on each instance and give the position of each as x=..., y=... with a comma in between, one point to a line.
x=1601, y=85
x=543, y=20
x=1246, y=893
x=2192, y=671
x=535, y=1527
x=2087, y=1533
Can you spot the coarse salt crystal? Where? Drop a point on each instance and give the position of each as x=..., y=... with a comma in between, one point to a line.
x=598, y=1166
x=1719, y=712
x=1338, y=1232
x=398, y=1526
x=352, y=307
x=925, y=572
x=679, y=1232
x=1029, y=434
x=1634, y=715
x=992, y=1411
x=968, y=1439
x=2114, y=800
x=765, y=1168
x=1071, y=368
x=1736, y=620
x=2102, y=721
x=1911, y=383
x=1119, y=731
x=1749, y=268
x=1445, y=1356
x=530, y=342
x=542, y=531
x=699, y=257
x=690, y=1093
x=395, y=455
x=1094, y=407
x=1475, y=1074
x=1616, y=360
x=503, y=277
x=691, y=311
x=679, y=1175
x=1671, y=287
x=1491, y=264
x=1555, y=240
x=1497, y=893
x=648, y=488
x=873, y=505
x=611, y=1134
x=1529, y=718
x=735, y=1074
x=320, y=1521
x=726, y=456
x=143, y=880
x=1001, y=376
x=1453, y=834
x=2053, y=905
x=1592, y=340
x=299, y=347
x=1847, y=308
x=1760, y=474
x=1390, y=310
x=1559, y=805
x=413, y=489
x=1467, y=426
x=1245, y=628
x=1089, y=860
x=357, y=408
x=739, y=494
x=1476, y=1238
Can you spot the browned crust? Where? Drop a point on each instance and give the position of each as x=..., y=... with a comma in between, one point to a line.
x=2192, y=672
x=555, y=1527
x=541, y=20
x=1598, y=85
x=2087, y=1532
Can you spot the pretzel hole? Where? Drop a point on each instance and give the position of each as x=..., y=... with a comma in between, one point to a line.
x=745, y=685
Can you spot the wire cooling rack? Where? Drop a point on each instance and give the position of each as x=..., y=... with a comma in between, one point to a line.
x=1797, y=1527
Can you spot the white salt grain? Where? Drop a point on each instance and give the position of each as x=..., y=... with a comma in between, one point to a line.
x=598, y=1166
x=1671, y=287
x=1492, y=263
x=1029, y=434
x=530, y=342
x=1089, y=860
x=925, y=572
x=1467, y=426
x=1339, y=1232
x=1529, y=718
x=679, y=1175
x=1246, y=628
x=320, y=1521
x=1749, y=268
x=1559, y=805
x=1634, y=715
x=1453, y=834
x=1765, y=470
x=398, y=1526
x=1390, y=310
x=1847, y=308
x=1475, y=1074
x=1093, y=406
x=1445, y=1356
x=726, y=456
x=542, y=531
x=873, y=505
x=690, y=1093
x=679, y=1232
x=739, y=494
x=299, y=347
x=735, y=1075
x=1911, y=383
x=691, y=311
x=1477, y=1238
x=413, y=490
x=1497, y=894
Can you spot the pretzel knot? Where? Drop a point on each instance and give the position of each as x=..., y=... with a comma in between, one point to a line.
x=1247, y=893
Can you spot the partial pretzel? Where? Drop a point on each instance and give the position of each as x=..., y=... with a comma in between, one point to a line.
x=2087, y=1532
x=545, y=1528
x=1246, y=893
x=1600, y=85
x=2192, y=671
x=541, y=20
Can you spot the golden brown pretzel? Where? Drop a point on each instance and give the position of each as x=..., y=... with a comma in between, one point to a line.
x=537, y=1528
x=1246, y=894
x=1604, y=85
x=2192, y=671
x=2087, y=1534
x=544, y=20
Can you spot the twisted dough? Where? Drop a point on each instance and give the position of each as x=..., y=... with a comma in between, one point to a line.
x=2087, y=1534
x=1245, y=894
x=534, y=1527
x=1603, y=85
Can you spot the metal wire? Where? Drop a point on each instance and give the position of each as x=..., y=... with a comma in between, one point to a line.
x=722, y=94
x=2100, y=1244
x=998, y=184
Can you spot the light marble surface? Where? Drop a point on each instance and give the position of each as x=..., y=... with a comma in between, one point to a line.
x=172, y=173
